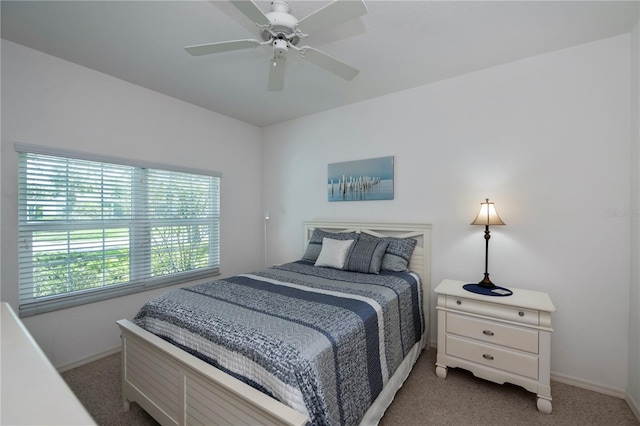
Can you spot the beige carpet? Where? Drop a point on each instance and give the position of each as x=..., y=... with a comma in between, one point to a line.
x=424, y=399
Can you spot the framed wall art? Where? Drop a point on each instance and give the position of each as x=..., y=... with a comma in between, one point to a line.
x=361, y=180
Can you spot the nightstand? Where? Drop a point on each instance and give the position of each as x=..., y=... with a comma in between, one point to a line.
x=501, y=339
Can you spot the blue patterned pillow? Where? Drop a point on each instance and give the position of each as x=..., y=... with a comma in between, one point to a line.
x=315, y=242
x=398, y=253
x=366, y=256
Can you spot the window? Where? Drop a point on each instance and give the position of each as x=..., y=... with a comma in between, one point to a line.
x=91, y=229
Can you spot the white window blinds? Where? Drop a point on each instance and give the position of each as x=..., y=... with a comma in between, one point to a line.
x=90, y=230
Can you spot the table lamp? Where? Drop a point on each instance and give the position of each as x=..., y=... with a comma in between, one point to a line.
x=487, y=216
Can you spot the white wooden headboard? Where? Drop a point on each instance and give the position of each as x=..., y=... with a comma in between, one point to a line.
x=420, y=261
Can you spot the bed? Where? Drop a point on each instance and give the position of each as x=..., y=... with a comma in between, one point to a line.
x=184, y=378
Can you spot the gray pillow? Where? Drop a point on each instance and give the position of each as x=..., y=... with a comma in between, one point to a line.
x=315, y=242
x=398, y=253
x=366, y=256
x=334, y=253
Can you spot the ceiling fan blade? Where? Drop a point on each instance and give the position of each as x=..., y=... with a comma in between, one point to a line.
x=251, y=11
x=332, y=14
x=329, y=63
x=223, y=46
x=276, y=75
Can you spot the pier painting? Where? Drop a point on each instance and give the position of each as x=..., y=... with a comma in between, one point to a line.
x=361, y=180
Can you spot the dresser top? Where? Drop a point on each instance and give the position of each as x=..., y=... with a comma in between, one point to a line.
x=521, y=298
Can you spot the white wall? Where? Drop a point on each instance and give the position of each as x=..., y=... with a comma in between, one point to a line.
x=633, y=390
x=51, y=102
x=546, y=138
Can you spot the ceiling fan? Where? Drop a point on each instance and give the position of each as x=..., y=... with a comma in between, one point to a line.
x=282, y=31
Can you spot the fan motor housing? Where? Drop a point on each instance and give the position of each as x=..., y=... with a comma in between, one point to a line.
x=283, y=24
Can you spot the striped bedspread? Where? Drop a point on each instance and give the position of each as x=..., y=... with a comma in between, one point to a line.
x=320, y=340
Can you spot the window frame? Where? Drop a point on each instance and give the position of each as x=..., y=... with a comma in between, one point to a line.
x=33, y=305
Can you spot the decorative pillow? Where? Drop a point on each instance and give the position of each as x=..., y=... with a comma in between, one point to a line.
x=315, y=242
x=334, y=253
x=398, y=253
x=366, y=256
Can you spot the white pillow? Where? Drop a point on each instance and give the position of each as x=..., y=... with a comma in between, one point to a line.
x=334, y=253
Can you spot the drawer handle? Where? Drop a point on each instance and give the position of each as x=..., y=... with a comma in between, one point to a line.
x=487, y=356
x=487, y=332
x=521, y=313
x=459, y=302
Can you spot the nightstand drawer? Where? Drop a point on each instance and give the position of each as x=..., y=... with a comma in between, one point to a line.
x=510, y=313
x=493, y=332
x=493, y=356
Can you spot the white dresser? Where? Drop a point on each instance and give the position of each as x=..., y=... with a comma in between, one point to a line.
x=497, y=338
x=32, y=391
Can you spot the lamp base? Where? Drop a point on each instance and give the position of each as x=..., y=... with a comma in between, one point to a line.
x=486, y=282
x=495, y=291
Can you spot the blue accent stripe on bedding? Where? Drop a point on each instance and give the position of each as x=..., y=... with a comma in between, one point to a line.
x=414, y=285
x=262, y=311
x=366, y=313
x=415, y=299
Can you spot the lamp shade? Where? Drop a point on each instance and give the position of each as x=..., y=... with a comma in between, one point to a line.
x=487, y=215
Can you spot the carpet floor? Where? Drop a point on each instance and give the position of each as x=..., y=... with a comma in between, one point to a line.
x=425, y=399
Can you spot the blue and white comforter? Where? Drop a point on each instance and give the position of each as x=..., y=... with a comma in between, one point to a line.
x=320, y=340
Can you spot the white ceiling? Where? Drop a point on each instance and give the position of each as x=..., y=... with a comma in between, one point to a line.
x=396, y=45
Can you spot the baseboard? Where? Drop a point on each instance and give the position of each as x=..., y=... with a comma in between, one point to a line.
x=584, y=384
x=633, y=405
x=80, y=363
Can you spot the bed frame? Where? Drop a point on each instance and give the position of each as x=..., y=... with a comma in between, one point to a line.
x=177, y=388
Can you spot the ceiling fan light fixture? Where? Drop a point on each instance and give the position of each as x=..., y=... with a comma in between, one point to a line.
x=280, y=48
